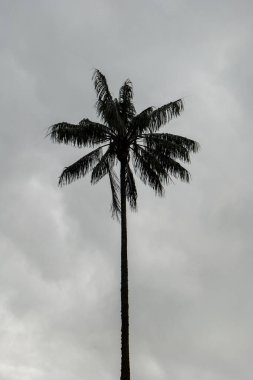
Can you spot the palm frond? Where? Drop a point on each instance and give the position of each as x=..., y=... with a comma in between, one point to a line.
x=101, y=86
x=159, y=158
x=164, y=114
x=171, y=166
x=174, y=168
x=105, y=163
x=166, y=147
x=115, y=188
x=190, y=145
x=149, y=156
x=131, y=191
x=141, y=122
x=86, y=133
x=146, y=172
x=127, y=108
x=103, y=167
x=105, y=105
x=80, y=168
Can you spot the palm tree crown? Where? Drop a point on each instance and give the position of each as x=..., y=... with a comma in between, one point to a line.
x=124, y=135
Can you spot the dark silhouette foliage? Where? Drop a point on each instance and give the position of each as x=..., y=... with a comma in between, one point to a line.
x=131, y=140
x=155, y=156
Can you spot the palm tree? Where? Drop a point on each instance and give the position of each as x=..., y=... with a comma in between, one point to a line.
x=124, y=135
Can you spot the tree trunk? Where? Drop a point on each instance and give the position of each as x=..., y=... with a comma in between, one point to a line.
x=125, y=364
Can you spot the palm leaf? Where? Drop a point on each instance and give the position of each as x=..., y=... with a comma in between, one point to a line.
x=164, y=114
x=165, y=160
x=146, y=172
x=141, y=122
x=80, y=168
x=171, y=166
x=105, y=105
x=102, y=167
x=127, y=108
x=101, y=86
x=86, y=133
x=151, y=159
x=175, y=169
x=166, y=147
x=131, y=191
x=184, y=142
x=115, y=188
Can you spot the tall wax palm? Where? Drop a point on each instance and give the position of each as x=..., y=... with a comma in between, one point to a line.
x=131, y=140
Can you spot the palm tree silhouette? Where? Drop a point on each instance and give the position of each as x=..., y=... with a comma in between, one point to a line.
x=124, y=135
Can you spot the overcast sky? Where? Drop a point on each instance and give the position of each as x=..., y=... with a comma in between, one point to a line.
x=190, y=253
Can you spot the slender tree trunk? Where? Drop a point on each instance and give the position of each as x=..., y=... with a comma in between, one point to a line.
x=125, y=364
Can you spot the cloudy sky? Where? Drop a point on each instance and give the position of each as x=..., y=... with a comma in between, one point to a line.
x=190, y=253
